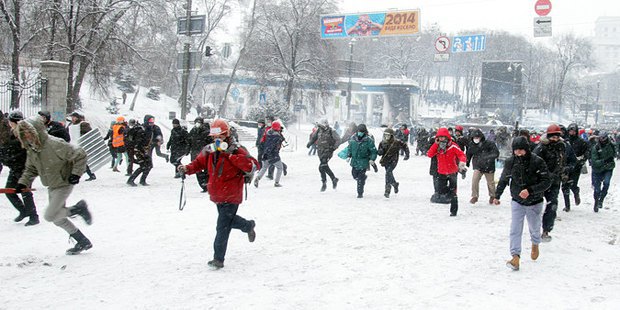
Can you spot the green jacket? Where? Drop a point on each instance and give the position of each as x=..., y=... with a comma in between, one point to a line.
x=603, y=157
x=361, y=151
x=50, y=158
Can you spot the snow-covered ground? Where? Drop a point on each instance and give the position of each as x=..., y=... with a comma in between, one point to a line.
x=313, y=250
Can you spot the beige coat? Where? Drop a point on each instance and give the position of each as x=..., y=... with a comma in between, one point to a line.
x=50, y=158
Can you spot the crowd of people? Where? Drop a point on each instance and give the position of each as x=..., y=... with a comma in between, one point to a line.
x=537, y=166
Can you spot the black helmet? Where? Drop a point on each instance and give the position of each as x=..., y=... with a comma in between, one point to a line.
x=46, y=115
x=16, y=116
x=520, y=143
x=199, y=119
x=574, y=127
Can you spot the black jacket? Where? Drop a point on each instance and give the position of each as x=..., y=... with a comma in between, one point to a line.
x=559, y=158
x=483, y=155
x=526, y=172
x=326, y=139
x=198, y=138
x=581, y=149
x=178, y=143
x=13, y=155
x=389, y=151
x=56, y=129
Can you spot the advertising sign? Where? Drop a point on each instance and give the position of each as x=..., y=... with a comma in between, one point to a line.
x=394, y=23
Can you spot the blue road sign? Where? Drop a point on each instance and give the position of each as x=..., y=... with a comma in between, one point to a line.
x=473, y=43
x=262, y=98
x=235, y=92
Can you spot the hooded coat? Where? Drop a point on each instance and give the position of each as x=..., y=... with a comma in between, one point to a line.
x=389, y=150
x=361, y=150
x=483, y=154
x=448, y=158
x=50, y=158
x=524, y=172
x=326, y=139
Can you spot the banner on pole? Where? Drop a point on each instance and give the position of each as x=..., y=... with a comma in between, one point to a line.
x=378, y=24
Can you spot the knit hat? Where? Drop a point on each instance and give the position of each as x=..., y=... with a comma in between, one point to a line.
x=520, y=143
x=362, y=128
x=16, y=116
x=46, y=115
x=176, y=122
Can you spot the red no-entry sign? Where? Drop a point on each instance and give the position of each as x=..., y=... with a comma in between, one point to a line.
x=542, y=7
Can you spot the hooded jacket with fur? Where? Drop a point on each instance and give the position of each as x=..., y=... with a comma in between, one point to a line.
x=50, y=158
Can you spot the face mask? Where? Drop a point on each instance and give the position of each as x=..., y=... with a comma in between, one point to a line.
x=387, y=137
x=476, y=140
x=197, y=125
x=360, y=134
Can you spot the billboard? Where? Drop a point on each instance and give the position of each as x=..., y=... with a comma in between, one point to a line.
x=500, y=87
x=378, y=24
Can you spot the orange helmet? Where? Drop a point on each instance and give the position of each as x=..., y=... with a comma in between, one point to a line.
x=219, y=127
x=554, y=128
x=120, y=119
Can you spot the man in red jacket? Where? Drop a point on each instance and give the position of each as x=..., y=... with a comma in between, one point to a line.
x=450, y=161
x=226, y=163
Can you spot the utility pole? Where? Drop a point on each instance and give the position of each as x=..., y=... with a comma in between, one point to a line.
x=350, y=86
x=186, y=60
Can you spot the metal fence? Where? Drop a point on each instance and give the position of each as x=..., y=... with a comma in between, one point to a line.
x=32, y=95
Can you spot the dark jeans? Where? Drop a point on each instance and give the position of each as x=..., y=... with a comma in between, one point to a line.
x=90, y=173
x=312, y=150
x=572, y=184
x=597, y=178
x=360, y=177
x=27, y=206
x=324, y=168
x=146, y=164
x=227, y=219
x=447, y=184
x=551, y=196
x=389, y=174
x=130, y=159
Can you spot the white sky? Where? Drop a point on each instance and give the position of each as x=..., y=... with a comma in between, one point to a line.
x=515, y=16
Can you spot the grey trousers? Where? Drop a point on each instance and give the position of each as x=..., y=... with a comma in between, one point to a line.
x=265, y=166
x=57, y=211
x=534, y=221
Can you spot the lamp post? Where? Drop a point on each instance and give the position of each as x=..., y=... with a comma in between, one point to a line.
x=186, y=61
x=349, y=86
x=598, y=92
x=515, y=67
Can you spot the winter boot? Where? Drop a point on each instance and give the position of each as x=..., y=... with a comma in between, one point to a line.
x=115, y=169
x=82, y=244
x=334, y=183
x=535, y=251
x=395, y=185
x=20, y=217
x=388, y=189
x=566, y=202
x=596, y=205
x=545, y=237
x=216, y=264
x=256, y=182
x=131, y=183
x=454, y=206
x=92, y=177
x=34, y=220
x=324, y=186
x=143, y=178
x=252, y=233
x=577, y=198
x=284, y=169
x=513, y=263
x=277, y=184
x=81, y=209
x=473, y=200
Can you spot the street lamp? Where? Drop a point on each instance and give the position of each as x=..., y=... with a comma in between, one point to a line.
x=598, y=92
x=516, y=67
x=349, y=86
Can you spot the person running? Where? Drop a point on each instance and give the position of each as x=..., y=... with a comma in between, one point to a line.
x=363, y=153
x=553, y=151
x=326, y=141
x=528, y=178
x=197, y=139
x=450, y=161
x=177, y=144
x=483, y=154
x=389, y=149
x=77, y=128
x=130, y=133
x=582, y=154
x=142, y=154
x=602, y=157
x=13, y=156
x=271, y=155
x=156, y=138
x=59, y=165
x=118, y=142
x=226, y=162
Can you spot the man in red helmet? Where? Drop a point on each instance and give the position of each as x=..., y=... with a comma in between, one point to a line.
x=559, y=158
x=226, y=162
x=450, y=161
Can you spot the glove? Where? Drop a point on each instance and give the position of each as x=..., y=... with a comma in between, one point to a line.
x=462, y=167
x=181, y=169
x=74, y=179
x=19, y=188
x=371, y=162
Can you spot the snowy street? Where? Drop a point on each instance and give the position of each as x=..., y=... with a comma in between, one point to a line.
x=313, y=250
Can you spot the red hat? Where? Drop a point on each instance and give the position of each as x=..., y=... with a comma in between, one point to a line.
x=276, y=126
x=443, y=132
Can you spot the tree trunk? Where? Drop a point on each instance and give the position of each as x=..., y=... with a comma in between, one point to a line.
x=14, y=25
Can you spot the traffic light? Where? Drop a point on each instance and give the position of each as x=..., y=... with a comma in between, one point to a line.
x=208, y=51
